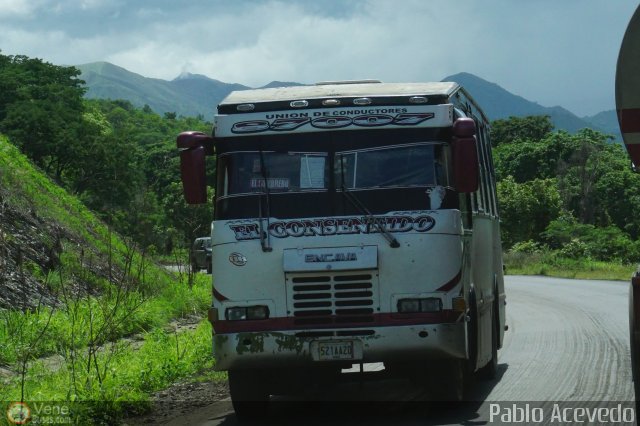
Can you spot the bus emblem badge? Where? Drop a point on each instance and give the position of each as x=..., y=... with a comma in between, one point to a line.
x=237, y=259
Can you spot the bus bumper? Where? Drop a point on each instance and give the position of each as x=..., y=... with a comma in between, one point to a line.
x=394, y=344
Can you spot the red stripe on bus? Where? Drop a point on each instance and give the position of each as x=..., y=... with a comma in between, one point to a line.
x=634, y=153
x=629, y=120
x=452, y=283
x=219, y=296
x=378, y=320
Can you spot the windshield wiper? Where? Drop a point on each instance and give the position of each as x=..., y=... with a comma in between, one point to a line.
x=265, y=242
x=369, y=217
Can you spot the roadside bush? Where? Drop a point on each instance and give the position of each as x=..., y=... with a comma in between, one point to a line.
x=528, y=246
x=575, y=249
x=578, y=240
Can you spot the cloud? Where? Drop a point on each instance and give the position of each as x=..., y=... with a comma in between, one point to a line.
x=284, y=41
x=16, y=8
x=547, y=51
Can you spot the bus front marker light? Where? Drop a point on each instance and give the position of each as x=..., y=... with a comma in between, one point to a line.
x=459, y=304
x=418, y=100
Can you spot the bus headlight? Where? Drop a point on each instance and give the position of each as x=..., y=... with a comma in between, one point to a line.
x=257, y=312
x=428, y=304
x=238, y=313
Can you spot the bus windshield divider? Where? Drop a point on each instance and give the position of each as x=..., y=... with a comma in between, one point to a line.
x=264, y=236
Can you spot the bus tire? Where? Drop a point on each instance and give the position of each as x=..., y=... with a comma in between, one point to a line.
x=472, y=330
x=249, y=396
x=634, y=343
x=490, y=370
x=451, y=383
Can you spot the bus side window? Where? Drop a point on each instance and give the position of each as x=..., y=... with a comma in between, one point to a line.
x=491, y=179
x=484, y=171
x=492, y=174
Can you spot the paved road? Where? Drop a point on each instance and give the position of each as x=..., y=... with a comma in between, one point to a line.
x=567, y=342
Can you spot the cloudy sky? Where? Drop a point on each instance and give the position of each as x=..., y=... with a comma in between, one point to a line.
x=554, y=52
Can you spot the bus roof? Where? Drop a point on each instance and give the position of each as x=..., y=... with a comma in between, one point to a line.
x=339, y=90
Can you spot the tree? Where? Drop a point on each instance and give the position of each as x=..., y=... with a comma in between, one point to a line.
x=526, y=209
x=41, y=110
x=596, y=182
x=530, y=128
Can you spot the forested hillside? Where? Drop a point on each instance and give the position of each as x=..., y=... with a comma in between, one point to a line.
x=119, y=160
x=188, y=94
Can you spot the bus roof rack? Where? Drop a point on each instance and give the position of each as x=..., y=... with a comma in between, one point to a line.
x=326, y=83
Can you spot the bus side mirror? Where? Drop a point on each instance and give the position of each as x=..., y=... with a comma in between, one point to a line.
x=465, y=155
x=193, y=147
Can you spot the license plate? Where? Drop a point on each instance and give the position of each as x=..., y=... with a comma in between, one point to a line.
x=328, y=351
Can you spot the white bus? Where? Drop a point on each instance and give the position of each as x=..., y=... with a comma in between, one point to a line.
x=354, y=222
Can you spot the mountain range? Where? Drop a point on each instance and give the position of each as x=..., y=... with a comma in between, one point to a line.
x=196, y=94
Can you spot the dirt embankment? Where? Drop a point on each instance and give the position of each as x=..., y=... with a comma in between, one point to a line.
x=26, y=242
x=30, y=250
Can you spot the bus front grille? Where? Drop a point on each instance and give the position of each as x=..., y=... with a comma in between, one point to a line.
x=332, y=299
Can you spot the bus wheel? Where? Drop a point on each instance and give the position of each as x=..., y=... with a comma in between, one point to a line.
x=249, y=396
x=634, y=342
x=451, y=381
x=489, y=371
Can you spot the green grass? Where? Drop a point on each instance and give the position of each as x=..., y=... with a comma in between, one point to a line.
x=128, y=376
x=550, y=264
x=68, y=326
x=119, y=380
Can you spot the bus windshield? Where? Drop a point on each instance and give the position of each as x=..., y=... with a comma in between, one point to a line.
x=410, y=165
x=283, y=172
x=391, y=166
